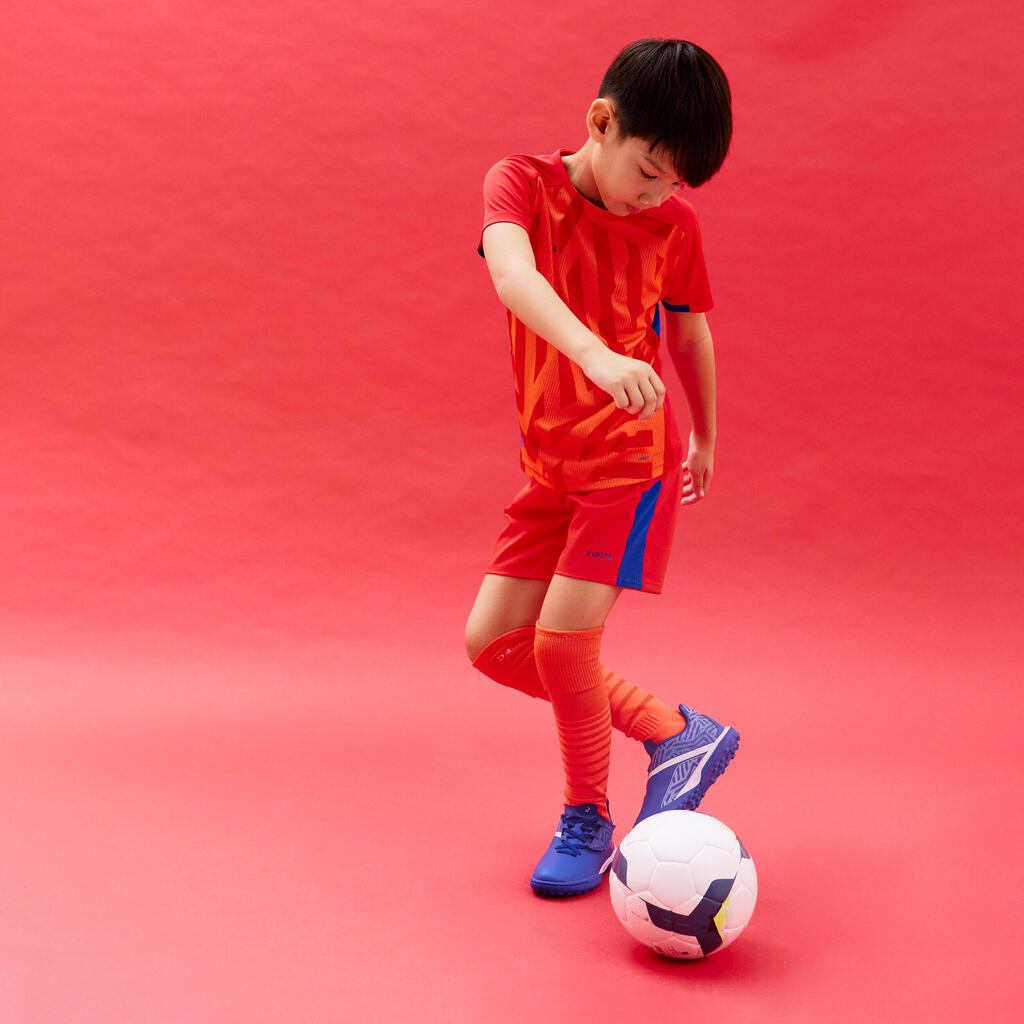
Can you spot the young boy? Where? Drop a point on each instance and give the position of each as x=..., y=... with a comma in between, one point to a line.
x=581, y=248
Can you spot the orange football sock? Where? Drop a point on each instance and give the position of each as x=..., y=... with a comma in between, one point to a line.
x=569, y=666
x=509, y=660
x=640, y=715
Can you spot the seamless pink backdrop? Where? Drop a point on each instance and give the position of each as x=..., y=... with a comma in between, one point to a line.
x=257, y=433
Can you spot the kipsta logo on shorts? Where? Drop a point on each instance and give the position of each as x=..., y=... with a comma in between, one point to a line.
x=600, y=554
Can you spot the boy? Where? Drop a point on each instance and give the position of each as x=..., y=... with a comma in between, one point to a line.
x=581, y=248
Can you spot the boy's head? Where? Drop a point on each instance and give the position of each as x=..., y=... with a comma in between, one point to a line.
x=675, y=97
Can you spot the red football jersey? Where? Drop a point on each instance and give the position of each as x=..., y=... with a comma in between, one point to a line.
x=611, y=272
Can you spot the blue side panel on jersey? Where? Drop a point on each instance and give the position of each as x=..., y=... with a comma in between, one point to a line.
x=631, y=570
x=656, y=322
x=684, y=308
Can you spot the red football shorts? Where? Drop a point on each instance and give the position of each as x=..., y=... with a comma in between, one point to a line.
x=618, y=535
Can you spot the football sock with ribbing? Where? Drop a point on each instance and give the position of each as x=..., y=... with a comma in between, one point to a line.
x=509, y=659
x=569, y=667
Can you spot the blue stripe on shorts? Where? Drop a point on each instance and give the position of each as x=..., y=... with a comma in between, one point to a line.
x=631, y=569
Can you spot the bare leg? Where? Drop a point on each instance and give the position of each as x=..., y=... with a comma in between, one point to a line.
x=577, y=604
x=502, y=604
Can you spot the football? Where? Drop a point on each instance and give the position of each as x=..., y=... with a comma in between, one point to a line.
x=683, y=884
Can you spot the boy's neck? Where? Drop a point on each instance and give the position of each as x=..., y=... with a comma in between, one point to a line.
x=581, y=176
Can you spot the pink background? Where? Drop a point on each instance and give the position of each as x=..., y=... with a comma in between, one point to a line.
x=257, y=431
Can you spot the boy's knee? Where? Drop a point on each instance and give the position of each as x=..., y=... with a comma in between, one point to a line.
x=476, y=641
x=482, y=629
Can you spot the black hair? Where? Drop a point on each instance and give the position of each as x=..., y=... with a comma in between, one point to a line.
x=675, y=96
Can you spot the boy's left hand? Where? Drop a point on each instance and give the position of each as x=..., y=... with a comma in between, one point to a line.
x=697, y=470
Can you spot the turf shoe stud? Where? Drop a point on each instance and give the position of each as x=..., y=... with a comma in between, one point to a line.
x=684, y=766
x=578, y=855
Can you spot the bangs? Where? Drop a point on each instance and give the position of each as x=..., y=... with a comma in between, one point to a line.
x=675, y=96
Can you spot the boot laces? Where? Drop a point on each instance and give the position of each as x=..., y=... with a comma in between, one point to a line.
x=577, y=834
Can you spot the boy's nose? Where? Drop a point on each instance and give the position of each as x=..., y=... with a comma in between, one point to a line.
x=649, y=198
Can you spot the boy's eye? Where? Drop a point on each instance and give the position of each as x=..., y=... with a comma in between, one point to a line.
x=649, y=177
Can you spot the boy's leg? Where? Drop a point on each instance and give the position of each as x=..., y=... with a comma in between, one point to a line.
x=503, y=605
x=572, y=604
x=567, y=651
x=565, y=664
x=683, y=765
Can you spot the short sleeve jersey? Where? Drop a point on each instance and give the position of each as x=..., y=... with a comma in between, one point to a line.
x=611, y=272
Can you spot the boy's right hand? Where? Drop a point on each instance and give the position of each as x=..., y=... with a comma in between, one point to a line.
x=632, y=383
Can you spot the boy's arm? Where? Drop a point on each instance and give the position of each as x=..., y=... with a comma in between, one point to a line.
x=632, y=383
x=688, y=338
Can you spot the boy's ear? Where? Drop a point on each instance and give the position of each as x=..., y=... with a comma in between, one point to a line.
x=599, y=119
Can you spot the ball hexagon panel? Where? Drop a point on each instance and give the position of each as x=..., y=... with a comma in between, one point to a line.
x=711, y=863
x=675, y=837
x=672, y=883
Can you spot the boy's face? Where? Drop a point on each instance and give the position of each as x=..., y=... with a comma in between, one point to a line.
x=630, y=175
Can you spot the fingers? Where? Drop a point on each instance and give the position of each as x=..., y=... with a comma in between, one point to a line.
x=653, y=392
x=646, y=396
x=642, y=399
x=694, y=490
x=632, y=383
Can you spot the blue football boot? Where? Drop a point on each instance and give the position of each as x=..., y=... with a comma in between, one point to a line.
x=684, y=766
x=578, y=855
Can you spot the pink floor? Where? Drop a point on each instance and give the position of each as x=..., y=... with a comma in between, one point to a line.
x=257, y=432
